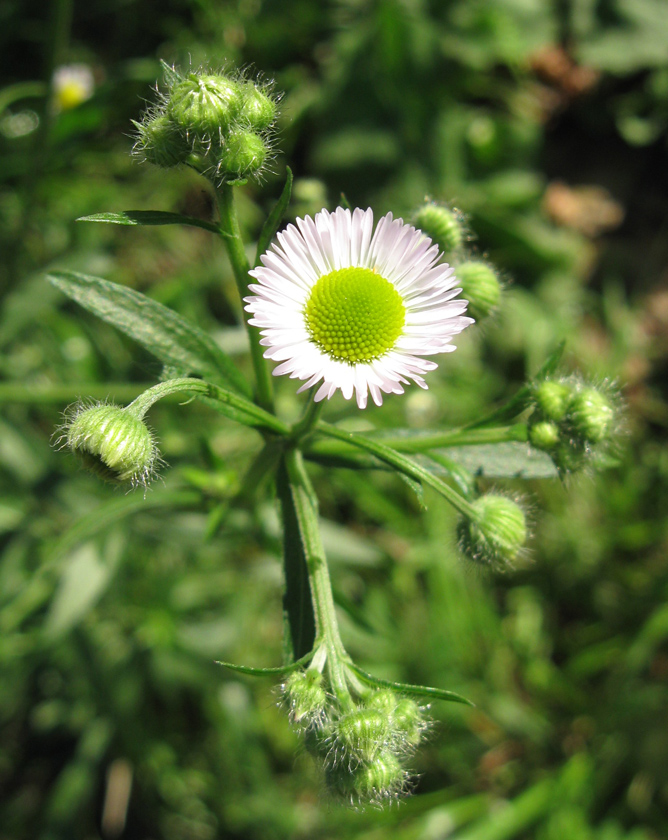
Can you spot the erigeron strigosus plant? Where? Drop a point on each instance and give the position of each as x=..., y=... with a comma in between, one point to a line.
x=341, y=304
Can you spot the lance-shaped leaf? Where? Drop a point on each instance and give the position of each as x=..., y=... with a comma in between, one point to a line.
x=299, y=618
x=175, y=341
x=275, y=218
x=413, y=690
x=151, y=218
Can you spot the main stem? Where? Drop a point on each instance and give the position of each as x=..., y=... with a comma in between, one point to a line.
x=231, y=235
x=327, y=628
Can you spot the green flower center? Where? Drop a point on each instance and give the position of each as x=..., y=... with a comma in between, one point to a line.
x=354, y=315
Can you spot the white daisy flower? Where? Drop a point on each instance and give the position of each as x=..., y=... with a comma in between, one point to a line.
x=358, y=309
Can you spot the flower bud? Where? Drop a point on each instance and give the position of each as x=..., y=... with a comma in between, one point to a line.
x=113, y=443
x=258, y=109
x=244, y=155
x=544, y=435
x=306, y=697
x=591, y=415
x=551, y=398
x=375, y=781
x=406, y=719
x=204, y=105
x=361, y=734
x=496, y=534
x=160, y=142
x=441, y=225
x=480, y=286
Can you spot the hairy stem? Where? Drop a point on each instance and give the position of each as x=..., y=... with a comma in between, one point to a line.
x=326, y=624
x=231, y=236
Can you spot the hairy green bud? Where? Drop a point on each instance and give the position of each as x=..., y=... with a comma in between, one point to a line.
x=306, y=697
x=591, y=415
x=551, y=398
x=205, y=105
x=374, y=782
x=160, y=142
x=112, y=442
x=480, y=286
x=244, y=155
x=441, y=225
x=405, y=717
x=258, y=109
x=544, y=435
x=496, y=534
x=361, y=734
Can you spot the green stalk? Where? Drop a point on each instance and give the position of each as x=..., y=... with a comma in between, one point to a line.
x=403, y=464
x=457, y=437
x=308, y=421
x=326, y=624
x=231, y=236
x=249, y=410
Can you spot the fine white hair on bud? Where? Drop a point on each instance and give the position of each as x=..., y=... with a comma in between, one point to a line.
x=573, y=420
x=480, y=286
x=363, y=744
x=443, y=226
x=112, y=442
x=496, y=532
x=219, y=123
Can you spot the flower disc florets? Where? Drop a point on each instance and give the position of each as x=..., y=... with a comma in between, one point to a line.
x=354, y=309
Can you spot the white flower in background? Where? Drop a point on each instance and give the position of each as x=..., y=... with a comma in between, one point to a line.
x=72, y=85
x=355, y=308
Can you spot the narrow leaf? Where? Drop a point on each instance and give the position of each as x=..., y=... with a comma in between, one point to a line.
x=494, y=460
x=275, y=218
x=150, y=218
x=414, y=690
x=108, y=513
x=264, y=672
x=299, y=636
x=175, y=341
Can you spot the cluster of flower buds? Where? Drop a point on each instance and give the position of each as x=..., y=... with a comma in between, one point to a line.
x=571, y=420
x=113, y=442
x=363, y=744
x=221, y=125
x=478, y=279
x=496, y=532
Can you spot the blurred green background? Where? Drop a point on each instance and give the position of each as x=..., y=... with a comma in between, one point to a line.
x=546, y=124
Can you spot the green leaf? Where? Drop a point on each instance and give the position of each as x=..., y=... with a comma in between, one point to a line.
x=83, y=582
x=108, y=513
x=265, y=672
x=414, y=690
x=160, y=330
x=275, y=218
x=495, y=460
x=299, y=635
x=149, y=217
